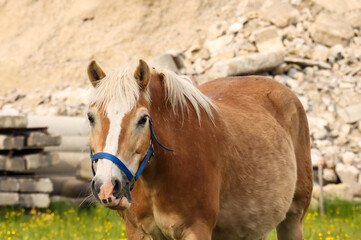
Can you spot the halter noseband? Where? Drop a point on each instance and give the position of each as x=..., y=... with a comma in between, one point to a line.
x=121, y=165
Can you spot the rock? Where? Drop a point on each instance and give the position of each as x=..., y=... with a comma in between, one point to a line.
x=330, y=30
x=348, y=157
x=316, y=157
x=305, y=102
x=280, y=13
x=349, y=175
x=235, y=27
x=350, y=114
x=217, y=29
x=164, y=61
x=329, y=175
x=218, y=45
x=334, y=191
x=252, y=63
x=318, y=127
x=336, y=52
x=339, y=6
x=320, y=53
x=307, y=62
x=267, y=39
x=13, y=122
x=353, y=18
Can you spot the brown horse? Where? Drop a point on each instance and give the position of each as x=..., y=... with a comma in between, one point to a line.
x=241, y=164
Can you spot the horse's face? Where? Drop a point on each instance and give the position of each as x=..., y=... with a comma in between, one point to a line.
x=121, y=130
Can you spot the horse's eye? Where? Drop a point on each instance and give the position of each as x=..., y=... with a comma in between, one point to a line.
x=142, y=120
x=91, y=119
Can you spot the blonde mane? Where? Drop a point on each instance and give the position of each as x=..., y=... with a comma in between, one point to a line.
x=120, y=87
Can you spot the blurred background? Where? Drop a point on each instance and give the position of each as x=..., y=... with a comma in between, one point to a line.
x=311, y=46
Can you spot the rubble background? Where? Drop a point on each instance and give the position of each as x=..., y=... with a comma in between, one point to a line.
x=311, y=46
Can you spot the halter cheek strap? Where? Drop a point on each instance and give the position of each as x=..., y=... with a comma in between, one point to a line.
x=121, y=165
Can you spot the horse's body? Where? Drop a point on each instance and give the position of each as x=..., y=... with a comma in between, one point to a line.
x=236, y=176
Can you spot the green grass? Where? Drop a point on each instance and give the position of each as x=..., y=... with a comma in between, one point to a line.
x=341, y=221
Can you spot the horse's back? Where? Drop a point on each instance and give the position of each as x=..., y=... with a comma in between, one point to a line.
x=271, y=120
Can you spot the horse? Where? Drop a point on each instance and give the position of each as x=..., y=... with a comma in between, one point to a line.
x=229, y=159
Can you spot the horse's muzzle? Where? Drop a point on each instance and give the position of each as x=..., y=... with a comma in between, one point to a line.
x=113, y=193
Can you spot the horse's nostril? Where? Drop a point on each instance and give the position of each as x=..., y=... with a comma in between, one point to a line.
x=95, y=187
x=117, y=188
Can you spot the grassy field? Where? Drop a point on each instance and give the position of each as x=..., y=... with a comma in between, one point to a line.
x=341, y=221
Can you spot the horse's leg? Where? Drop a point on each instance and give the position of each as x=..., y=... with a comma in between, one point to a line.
x=197, y=232
x=133, y=233
x=291, y=227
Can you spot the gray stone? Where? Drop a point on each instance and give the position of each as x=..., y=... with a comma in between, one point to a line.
x=351, y=113
x=252, y=63
x=339, y=6
x=334, y=191
x=316, y=157
x=11, y=142
x=320, y=53
x=349, y=175
x=39, y=139
x=13, y=122
x=267, y=39
x=39, y=200
x=42, y=185
x=307, y=62
x=9, y=185
x=164, y=61
x=353, y=18
x=236, y=27
x=9, y=199
x=280, y=13
x=348, y=157
x=329, y=175
x=217, y=46
x=330, y=30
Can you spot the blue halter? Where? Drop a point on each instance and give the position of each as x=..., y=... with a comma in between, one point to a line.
x=121, y=165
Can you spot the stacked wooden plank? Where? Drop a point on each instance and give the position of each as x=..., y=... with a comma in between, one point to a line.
x=21, y=154
x=74, y=147
x=71, y=176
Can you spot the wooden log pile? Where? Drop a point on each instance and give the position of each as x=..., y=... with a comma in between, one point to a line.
x=21, y=154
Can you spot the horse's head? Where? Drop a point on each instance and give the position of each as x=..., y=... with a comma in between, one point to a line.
x=119, y=120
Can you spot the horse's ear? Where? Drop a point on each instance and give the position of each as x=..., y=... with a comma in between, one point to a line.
x=95, y=73
x=142, y=74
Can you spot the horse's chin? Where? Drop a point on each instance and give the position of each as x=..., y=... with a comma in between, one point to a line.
x=121, y=204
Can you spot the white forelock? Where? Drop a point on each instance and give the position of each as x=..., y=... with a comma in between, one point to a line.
x=120, y=87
